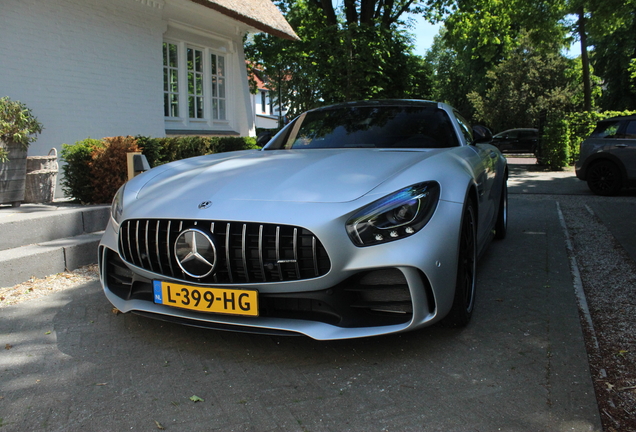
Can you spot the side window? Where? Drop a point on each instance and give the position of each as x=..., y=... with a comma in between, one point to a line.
x=465, y=127
x=630, y=130
x=606, y=129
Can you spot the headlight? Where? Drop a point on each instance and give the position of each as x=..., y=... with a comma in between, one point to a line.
x=117, y=208
x=395, y=216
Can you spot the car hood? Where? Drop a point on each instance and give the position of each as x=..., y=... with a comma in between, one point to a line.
x=327, y=176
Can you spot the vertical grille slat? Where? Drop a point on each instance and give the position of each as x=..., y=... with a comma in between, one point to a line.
x=228, y=261
x=246, y=252
x=295, y=246
x=148, y=247
x=314, y=255
x=141, y=263
x=260, y=251
x=157, y=231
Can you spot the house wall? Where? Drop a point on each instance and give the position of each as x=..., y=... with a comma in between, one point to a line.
x=93, y=68
x=87, y=68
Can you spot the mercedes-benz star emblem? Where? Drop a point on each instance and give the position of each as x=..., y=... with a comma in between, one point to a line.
x=205, y=204
x=195, y=253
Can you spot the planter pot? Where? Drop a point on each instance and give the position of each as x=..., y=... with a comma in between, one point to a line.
x=41, y=176
x=13, y=175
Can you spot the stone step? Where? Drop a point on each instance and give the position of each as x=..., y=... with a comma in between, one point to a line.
x=40, y=240
x=39, y=260
x=31, y=224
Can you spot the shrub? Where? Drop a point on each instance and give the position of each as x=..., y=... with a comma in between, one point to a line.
x=569, y=131
x=554, y=150
x=109, y=167
x=78, y=178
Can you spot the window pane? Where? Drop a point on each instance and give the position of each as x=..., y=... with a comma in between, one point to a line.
x=191, y=106
x=170, y=80
x=174, y=105
x=173, y=55
x=221, y=66
x=198, y=61
x=221, y=88
x=221, y=109
x=174, y=81
x=199, y=107
x=199, y=85
x=213, y=63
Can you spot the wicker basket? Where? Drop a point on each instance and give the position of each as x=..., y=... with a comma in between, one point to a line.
x=41, y=178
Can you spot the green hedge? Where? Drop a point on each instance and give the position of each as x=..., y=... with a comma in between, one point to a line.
x=159, y=151
x=563, y=134
x=79, y=170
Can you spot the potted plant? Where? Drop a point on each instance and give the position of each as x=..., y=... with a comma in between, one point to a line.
x=18, y=129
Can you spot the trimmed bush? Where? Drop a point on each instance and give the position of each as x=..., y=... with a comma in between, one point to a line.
x=109, y=167
x=563, y=135
x=555, y=147
x=78, y=178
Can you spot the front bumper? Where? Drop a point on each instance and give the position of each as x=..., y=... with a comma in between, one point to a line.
x=388, y=288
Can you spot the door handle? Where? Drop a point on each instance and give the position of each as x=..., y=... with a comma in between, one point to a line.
x=621, y=145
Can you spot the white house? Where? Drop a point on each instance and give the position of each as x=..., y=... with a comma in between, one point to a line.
x=97, y=68
x=267, y=112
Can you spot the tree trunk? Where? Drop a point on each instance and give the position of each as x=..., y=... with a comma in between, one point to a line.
x=585, y=61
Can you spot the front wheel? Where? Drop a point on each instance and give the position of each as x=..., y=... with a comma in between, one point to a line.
x=464, y=301
x=604, y=178
x=501, y=226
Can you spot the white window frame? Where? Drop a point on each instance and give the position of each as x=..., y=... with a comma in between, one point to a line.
x=207, y=121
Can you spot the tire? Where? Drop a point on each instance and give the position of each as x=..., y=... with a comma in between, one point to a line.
x=501, y=226
x=604, y=178
x=464, y=300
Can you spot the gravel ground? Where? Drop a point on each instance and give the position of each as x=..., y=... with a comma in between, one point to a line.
x=601, y=268
x=608, y=277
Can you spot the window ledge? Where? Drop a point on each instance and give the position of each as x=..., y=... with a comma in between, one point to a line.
x=194, y=132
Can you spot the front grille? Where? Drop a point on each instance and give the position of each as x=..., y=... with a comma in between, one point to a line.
x=246, y=252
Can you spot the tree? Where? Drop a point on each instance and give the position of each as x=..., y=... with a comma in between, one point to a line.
x=525, y=85
x=612, y=33
x=361, y=51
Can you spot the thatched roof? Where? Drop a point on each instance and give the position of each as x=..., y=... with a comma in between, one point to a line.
x=260, y=14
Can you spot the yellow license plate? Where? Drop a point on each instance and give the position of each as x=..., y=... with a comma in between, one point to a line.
x=203, y=299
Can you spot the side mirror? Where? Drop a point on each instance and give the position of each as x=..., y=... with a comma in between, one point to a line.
x=481, y=134
x=263, y=138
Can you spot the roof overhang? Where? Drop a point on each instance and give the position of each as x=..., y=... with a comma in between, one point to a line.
x=263, y=15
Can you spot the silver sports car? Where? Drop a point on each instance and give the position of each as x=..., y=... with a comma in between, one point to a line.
x=355, y=220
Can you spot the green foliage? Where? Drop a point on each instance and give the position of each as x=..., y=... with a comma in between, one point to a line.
x=78, y=178
x=343, y=55
x=159, y=151
x=612, y=26
x=564, y=133
x=17, y=125
x=525, y=85
x=554, y=151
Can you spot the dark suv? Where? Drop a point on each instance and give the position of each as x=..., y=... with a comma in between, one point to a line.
x=607, y=160
x=517, y=141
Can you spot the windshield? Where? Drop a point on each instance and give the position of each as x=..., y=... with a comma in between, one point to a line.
x=370, y=127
